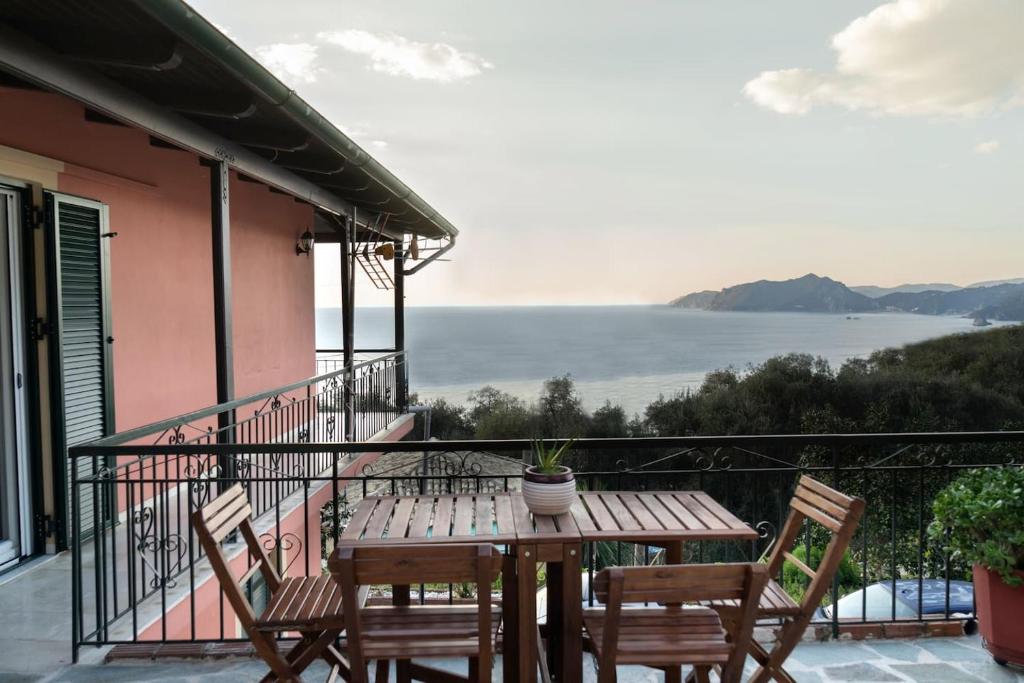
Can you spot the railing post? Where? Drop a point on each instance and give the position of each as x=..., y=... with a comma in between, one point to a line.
x=835, y=575
x=76, y=565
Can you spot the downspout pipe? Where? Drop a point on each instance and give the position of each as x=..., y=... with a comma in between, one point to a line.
x=187, y=23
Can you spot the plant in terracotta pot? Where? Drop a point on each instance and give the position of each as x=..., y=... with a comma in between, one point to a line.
x=549, y=487
x=980, y=515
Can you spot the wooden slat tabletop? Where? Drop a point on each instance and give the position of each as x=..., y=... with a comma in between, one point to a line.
x=656, y=516
x=531, y=528
x=503, y=518
x=414, y=519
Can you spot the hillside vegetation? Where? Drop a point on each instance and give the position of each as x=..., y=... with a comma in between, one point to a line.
x=962, y=382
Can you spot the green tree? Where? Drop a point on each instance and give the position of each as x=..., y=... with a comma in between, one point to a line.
x=560, y=411
x=608, y=421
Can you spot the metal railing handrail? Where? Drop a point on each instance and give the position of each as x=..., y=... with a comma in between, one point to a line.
x=109, y=448
x=122, y=438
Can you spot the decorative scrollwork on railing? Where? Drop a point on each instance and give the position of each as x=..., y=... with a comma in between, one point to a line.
x=200, y=471
x=715, y=461
x=176, y=437
x=460, y=465
x=274, y=403
x=767, y=534
x=162, y=555
x=281, y=546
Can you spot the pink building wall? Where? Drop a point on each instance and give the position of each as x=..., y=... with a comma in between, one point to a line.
x=161, y=261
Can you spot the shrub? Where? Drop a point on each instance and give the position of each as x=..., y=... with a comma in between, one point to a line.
x=795, y=581
x=982, y=512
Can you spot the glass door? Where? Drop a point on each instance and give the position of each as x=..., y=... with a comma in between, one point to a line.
x=15, y=500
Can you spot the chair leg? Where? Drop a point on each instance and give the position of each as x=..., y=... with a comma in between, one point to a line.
x=474, y=669
x=701, y=673
x=381, y=674
x=266, y=648
x=606, y=673
x=673, y=674
x=771, y=666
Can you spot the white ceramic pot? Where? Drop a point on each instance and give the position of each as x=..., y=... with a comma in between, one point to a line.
x=549, y=494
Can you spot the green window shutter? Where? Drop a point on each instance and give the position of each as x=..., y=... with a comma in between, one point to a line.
x=82, y=319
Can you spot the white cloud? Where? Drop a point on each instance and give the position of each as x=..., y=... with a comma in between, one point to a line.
x=913, y=57
x=987, y=147
x=398, y=56
x=291, y=62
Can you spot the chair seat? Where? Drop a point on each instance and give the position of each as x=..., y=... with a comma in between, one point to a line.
x=422, y=631
x=303, y=603
x=663, y=637
x=775, y=602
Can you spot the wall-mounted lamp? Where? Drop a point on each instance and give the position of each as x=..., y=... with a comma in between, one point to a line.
x=305, y=244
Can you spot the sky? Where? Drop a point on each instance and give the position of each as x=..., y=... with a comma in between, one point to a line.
x=595, y=152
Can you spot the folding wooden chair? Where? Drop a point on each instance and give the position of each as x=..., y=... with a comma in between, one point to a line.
x=402, y=631
x=310, y=606
x=838, y=513
x=669, y=636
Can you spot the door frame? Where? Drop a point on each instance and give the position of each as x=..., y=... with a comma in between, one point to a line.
x=20, y=310
x=55, y=315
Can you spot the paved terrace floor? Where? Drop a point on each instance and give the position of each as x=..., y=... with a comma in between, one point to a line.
x=933, y=660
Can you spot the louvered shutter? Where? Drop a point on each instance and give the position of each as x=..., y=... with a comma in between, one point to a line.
x=83, y=319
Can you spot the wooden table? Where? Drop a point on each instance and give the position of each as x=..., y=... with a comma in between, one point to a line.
x=665, y=519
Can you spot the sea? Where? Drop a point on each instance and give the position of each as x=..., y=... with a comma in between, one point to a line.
x=628, y=355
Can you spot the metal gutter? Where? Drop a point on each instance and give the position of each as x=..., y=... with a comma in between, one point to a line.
x=204, y=36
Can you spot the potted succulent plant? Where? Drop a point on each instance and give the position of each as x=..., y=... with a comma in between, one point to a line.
x=981, y=517
x=549, y=487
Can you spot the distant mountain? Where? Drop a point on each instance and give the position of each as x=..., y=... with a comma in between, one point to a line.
x=993, y=283
x=808, y=293
x=875, y=292
x=815, y=294
x=960, y=302
x=1010, y=308
x=695, y=300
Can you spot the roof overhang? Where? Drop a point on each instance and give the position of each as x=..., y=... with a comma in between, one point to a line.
x=173, y=74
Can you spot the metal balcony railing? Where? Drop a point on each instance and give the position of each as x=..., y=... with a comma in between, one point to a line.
x=132, y=573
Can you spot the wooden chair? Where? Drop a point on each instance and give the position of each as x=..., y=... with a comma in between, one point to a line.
x=310, y=606
x=672, y=635
x=840, y=515
x=403, y=631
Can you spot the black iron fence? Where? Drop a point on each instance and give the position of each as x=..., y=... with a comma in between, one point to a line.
x=130, y=517
x=142, y=576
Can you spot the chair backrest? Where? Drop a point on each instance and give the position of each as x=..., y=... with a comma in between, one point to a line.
x=404, y=565
x=225, y=514
x=671, y=585
x=838, y=513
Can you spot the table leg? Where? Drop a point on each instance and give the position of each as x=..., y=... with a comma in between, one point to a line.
x=509, y=617
x=526, y=571
x=554, y=617
x=674, y=552
x=673, y=555
x=570, y=666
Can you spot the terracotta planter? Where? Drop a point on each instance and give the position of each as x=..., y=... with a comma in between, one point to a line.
x=549, y=494
x=999, y=615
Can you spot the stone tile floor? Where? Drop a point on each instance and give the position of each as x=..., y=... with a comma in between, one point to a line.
x=936, y=660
